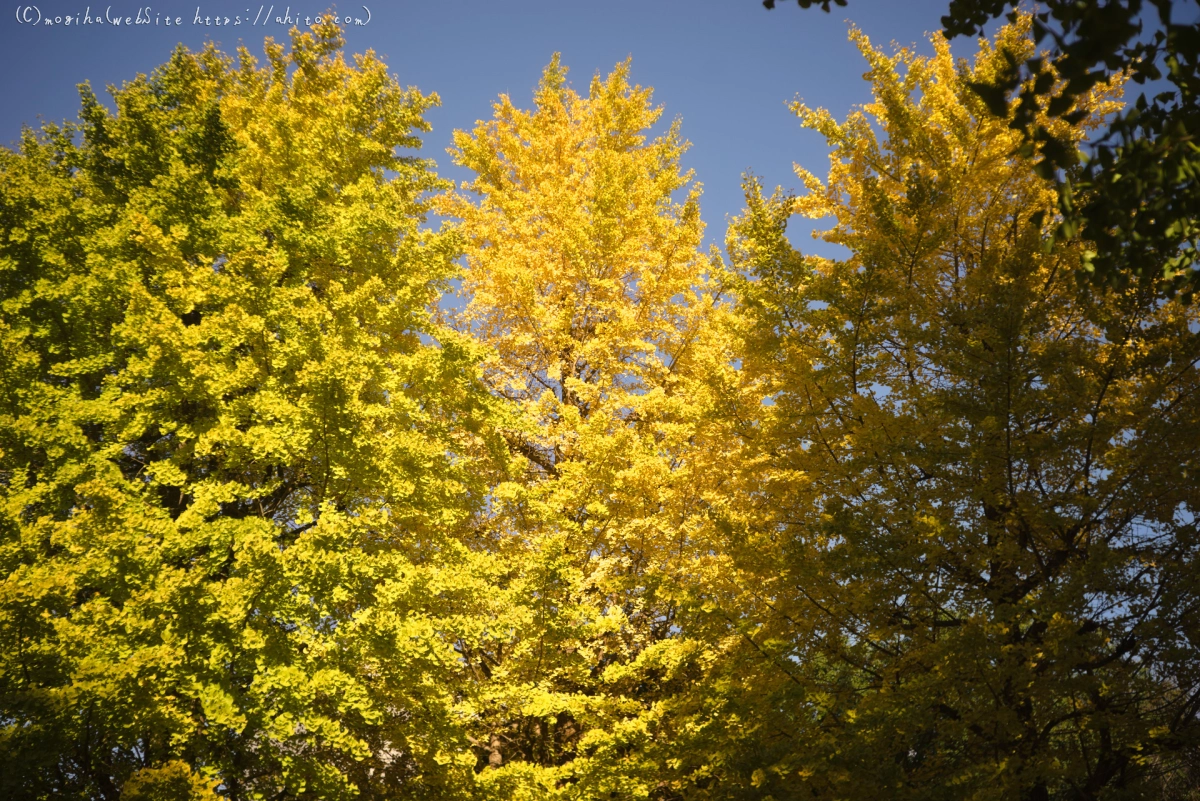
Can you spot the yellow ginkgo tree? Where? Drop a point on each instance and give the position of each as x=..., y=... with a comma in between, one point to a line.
x=586, y=280
x=237, y=474
x=972, y=550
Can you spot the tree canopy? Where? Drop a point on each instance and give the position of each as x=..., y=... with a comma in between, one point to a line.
x=978, y=540
x=239, y=471
x=631, y=520
x=1134, y=189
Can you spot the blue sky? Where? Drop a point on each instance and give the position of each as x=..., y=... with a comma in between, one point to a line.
x=726, y=67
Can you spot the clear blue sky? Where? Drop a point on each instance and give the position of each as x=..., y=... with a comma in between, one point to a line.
x=726, y=67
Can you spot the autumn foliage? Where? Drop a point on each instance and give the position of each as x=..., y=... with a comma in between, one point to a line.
x=631, y=519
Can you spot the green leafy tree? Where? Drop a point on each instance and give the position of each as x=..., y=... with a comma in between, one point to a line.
x=239, y=462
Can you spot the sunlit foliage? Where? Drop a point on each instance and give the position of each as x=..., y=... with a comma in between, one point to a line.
x=626, y=519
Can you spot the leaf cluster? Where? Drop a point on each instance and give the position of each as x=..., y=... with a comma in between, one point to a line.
x=1133, y=190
